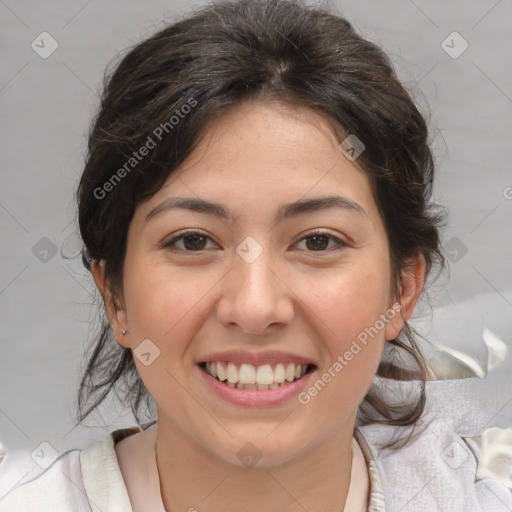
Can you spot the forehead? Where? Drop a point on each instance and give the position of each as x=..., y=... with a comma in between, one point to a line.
x=267, y=152
x=271, y=133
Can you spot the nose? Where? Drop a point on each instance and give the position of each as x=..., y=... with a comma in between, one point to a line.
x=256, y=298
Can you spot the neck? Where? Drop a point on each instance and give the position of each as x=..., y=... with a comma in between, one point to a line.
x=192, y=478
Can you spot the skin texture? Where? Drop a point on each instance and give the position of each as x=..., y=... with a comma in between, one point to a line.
x=293, y=298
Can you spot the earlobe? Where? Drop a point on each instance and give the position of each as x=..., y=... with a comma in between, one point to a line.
x=115, y=313
x=413, y=281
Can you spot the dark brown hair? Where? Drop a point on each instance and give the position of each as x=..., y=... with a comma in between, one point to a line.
x=222, y=54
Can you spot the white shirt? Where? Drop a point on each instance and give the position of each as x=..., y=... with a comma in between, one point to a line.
x=101, y=479
x=436, y=471
x=136, y=456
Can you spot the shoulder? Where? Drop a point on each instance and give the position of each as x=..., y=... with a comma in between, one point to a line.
x=87, y=480
x=58, y=488
x=436, y=470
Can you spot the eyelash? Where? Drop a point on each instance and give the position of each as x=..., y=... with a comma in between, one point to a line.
x=169, y=245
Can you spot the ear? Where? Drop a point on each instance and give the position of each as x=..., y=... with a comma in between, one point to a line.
x=115, y=313
x=413, y=280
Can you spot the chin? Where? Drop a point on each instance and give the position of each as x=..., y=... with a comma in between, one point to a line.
x=259, y=451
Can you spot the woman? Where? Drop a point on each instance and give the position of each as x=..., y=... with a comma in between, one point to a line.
x=255, y=211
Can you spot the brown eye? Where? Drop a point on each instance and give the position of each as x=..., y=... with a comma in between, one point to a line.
x=194, y=242
x=191, y=242
x=319, y=242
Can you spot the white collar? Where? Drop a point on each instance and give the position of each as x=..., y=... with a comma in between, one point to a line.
x=107, y=487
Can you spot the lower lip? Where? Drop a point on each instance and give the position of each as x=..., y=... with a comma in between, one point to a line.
x=256, y=397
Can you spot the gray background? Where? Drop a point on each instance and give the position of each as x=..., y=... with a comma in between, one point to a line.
x=47, y=105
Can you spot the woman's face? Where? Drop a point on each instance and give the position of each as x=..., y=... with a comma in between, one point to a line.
x=251, y=283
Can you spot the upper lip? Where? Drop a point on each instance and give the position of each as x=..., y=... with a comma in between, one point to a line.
x=255, y=358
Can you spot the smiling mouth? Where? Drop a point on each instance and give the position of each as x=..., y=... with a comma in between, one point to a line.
x=261, y=378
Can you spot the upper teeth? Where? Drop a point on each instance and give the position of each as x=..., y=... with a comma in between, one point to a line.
x=250, y=374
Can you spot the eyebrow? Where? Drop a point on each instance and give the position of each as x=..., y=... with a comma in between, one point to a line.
x=287, y=211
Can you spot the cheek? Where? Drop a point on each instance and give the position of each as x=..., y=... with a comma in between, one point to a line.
x=348, y=302
x=157, y=297
x=348, y=308
x=167, y=304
